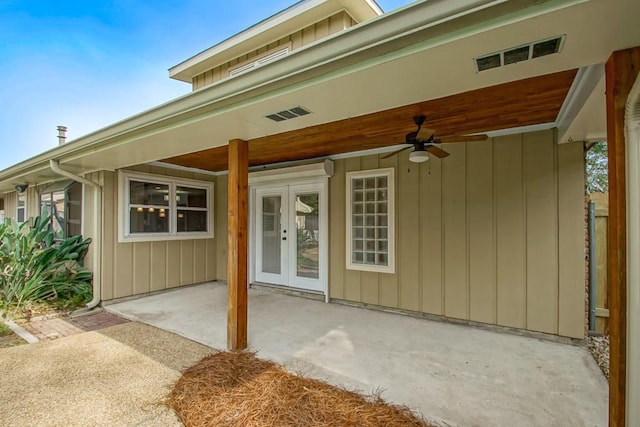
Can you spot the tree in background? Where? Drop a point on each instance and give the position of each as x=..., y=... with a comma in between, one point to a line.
x=597, y=168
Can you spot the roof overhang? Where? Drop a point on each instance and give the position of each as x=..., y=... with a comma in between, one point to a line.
x=419, y=53
x=272, y=29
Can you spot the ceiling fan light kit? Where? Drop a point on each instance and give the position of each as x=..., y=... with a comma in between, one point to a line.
x=418, y=156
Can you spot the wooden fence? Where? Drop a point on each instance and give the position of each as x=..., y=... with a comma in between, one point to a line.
x=601, y=225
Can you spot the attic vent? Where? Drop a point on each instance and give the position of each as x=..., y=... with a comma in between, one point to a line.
x=258, y=62
x=291, y=113
x=519, y=53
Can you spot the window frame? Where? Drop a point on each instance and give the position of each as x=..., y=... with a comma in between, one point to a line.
x=23, y=207
x=63, y=187
x=389, y=173
x=124, y=206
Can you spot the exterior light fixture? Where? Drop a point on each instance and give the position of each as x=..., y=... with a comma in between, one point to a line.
x=21, y=188
x=418, y=156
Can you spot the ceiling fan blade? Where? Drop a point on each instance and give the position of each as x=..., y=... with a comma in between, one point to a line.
x=424, y=133
x=411, y=137
x=462, y=138
x=436, y=151
x=393, y=153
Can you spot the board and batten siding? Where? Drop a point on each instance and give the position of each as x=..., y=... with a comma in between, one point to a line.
x=309, y=34
x=134, y=268
x=494, y=233
x=33, y=203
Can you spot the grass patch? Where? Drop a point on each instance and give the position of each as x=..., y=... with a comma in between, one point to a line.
x=238, y=389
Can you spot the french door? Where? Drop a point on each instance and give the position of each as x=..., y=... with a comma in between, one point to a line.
x=290, y=235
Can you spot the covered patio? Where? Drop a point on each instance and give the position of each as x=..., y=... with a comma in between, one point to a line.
x=452, y=374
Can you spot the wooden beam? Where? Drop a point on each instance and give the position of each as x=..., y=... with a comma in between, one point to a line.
x=238, y=189
x=621, y=71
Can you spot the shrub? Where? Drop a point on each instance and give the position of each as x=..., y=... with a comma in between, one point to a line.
x=34, y=267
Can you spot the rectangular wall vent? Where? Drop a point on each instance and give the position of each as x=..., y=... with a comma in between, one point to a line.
x=291, y=113
x=258, y=62
x=519, y=54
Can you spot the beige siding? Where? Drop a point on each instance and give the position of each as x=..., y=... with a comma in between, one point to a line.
x=492, y=234
x=10, y=203
x=511, y=237
x=142, y=267
x=33, y=203
x=304, y=36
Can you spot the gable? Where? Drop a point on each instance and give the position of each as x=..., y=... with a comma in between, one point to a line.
x=275, y=50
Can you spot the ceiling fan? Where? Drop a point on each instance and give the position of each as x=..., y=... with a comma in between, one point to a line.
x=423, y=146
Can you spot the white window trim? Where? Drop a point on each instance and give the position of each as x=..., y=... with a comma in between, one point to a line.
x=26, y=218
x=389, y=173
x=123, y=207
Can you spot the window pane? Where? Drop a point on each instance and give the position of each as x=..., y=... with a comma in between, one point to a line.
x=189, y=221
x=369, y=220
x=45, y=205
x=148, y=220
x=146, y=193
x=58, y=220
x=74, y=209
x=308, y=233
x=191, y=197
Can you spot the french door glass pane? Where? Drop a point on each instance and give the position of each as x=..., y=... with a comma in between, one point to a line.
x=308, y=233
x=271, y=253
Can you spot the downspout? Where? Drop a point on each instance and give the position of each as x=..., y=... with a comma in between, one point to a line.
x=97, y=229
x=592, y=266
x=632, y=136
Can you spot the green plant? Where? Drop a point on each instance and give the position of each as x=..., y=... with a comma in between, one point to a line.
x=34, y=267
x=597, y=168
x=5, y=330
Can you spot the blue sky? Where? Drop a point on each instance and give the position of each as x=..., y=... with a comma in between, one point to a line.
x=87, y=64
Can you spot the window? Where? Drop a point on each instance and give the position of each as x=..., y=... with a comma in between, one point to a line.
x=21, y=208
x=162, y=208
x=370, y=221
x=61, y=203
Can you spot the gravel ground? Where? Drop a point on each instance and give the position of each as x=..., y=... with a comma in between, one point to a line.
x=599, y=347
x=117, y=376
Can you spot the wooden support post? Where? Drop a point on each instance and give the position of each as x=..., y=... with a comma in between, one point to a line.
x=238, y=190
x=621, y=71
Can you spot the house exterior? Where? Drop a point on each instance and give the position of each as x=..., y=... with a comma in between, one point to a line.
x=319, y=96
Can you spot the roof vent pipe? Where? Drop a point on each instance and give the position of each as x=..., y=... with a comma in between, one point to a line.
x=62, y=135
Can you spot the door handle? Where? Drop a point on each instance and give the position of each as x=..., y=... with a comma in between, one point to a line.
x=284, y=238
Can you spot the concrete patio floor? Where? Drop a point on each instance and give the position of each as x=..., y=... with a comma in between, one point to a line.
x=454, y=375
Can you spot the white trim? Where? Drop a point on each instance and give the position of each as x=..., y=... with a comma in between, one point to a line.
x=288, y=184
x=315, y=170
x=24, y=207
x=585, y=82
x=124, y=177
x=185, y=168
x=391, y=253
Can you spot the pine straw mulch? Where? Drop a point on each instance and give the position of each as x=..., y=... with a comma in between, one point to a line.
x=238, y=389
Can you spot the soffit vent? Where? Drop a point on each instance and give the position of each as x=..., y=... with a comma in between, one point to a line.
x=291, y=113
x=520, y=53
